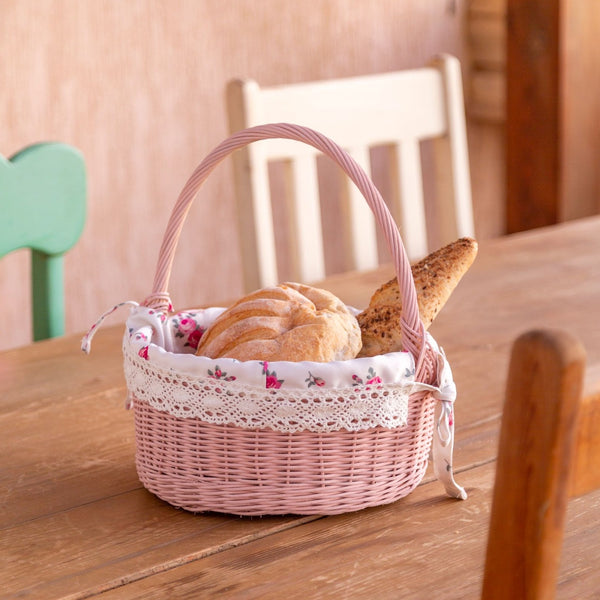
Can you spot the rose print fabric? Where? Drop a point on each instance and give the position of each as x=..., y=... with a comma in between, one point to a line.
x=172, y=341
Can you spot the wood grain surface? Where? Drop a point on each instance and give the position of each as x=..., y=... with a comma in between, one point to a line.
x=76, y=523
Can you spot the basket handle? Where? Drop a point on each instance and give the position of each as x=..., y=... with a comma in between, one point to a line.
x=413, y=331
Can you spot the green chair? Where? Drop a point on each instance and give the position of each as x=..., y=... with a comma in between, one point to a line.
x=43, y=207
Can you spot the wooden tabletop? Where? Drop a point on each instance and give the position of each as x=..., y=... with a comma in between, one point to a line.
x=76, y=523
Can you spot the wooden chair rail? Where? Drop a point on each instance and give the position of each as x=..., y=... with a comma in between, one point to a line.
x=549, y=443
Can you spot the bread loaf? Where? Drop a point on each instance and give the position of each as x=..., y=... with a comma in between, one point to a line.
x=291, y=322
x=436, y=276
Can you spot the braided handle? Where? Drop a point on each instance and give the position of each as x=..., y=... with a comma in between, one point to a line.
x=413, y=332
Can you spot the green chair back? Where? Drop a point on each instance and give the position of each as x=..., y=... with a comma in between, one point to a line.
x=43, y=207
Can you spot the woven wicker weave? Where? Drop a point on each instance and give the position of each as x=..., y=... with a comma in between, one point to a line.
x=206, y=467
x=203, y=467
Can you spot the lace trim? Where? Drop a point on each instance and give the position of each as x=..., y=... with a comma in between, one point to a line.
x=290, y=410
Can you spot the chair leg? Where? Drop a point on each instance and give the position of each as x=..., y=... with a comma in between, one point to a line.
x=47, y=295
x=537, y=436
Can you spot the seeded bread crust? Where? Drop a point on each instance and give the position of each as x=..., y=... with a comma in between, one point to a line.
x=436, y=276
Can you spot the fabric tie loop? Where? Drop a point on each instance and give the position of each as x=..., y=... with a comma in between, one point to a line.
x=86, y=342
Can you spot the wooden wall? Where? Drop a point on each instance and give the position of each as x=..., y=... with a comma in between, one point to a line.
x=138, y=87
x=580, y=109
x=534, y=68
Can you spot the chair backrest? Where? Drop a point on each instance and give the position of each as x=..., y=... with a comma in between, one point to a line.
x=549, y=449
x=398, y=110
x=43, y=206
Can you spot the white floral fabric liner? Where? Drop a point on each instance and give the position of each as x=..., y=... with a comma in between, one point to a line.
x=171, y=343
x=162, y=369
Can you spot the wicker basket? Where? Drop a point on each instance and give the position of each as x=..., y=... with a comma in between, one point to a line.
x=227, y=467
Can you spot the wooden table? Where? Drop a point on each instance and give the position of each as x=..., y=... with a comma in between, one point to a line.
x=76, y=523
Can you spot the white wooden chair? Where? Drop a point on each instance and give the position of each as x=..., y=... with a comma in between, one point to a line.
x=398, y=110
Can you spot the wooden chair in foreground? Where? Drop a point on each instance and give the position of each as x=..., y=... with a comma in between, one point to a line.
x=42, y=207
x=399, y=110
x=549, y=450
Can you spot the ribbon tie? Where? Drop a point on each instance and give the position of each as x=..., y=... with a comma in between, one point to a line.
x=443, y=435
x=86, y=342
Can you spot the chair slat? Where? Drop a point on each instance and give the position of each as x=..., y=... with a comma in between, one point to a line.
x=360, y=241
x=454, y=206
x=255, y=222
x=409, y=209
x=305, y=231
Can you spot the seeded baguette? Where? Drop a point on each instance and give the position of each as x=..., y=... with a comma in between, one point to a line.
x=436, y=276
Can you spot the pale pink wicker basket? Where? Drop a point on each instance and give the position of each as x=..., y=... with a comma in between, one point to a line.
x=201, y=466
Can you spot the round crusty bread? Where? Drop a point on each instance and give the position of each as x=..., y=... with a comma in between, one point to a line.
x=291, y=322
x=435, y=278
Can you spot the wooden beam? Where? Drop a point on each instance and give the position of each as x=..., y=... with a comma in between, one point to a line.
x=533, y=105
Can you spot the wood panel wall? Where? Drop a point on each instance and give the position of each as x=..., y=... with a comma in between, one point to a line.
x=486, y=36
x=553, y=111
x=535, y=66
x=580, y=109
x=138, y=87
